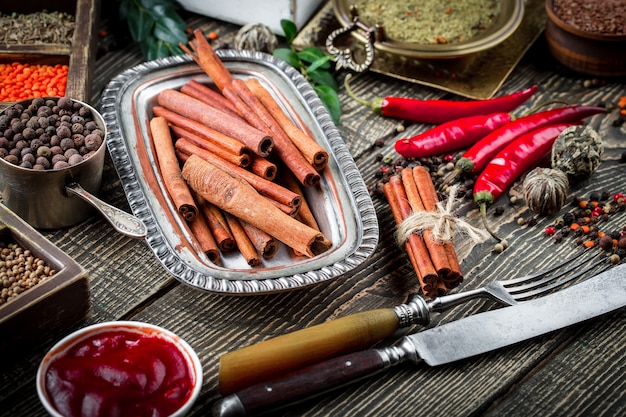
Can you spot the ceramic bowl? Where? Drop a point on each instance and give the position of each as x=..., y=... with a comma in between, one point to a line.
x=106, y=367
x=587, y=53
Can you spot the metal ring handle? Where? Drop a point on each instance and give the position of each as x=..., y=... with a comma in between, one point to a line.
x=343, y=57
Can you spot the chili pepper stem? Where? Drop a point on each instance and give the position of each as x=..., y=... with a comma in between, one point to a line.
x=375, y=104
x=483, y=215
x=451, y=177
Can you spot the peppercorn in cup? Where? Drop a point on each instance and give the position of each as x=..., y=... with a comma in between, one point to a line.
x=45, y=144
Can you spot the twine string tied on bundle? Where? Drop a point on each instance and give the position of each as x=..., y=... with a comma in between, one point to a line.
x=443, y=223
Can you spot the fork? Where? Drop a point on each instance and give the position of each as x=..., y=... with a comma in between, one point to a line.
x=255, y=363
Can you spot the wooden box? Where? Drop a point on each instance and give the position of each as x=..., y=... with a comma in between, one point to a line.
x=50, y=308
x=80, y=56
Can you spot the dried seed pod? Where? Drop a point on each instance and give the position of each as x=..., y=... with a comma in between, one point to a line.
x=545, y=190
x=577, y=152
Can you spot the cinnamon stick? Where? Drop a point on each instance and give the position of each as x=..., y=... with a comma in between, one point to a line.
x=238, y=198
x=283, y=146
x=265, y=187
x=263, y=168
x=208, y=96
x=217, y=224
x=430, y=288
x=437, y=251
x=245, y=246
x=258, y=141
x=243, y=159
x=216, y=138
x=305, y=215
x=418, y=255
x=428, y=194
x=311, y=150
x=265, y=244
x=170, y=169
x=208, y=60
x=201, y=231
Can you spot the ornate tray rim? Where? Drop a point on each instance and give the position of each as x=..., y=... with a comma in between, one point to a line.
x=234, y=283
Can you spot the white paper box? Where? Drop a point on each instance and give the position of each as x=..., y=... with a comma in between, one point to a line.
x=268, y=12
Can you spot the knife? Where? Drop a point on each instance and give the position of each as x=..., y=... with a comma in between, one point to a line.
x=461, y=339
x=256, y=363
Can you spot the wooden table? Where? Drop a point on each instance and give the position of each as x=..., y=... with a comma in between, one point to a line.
x=576, y=371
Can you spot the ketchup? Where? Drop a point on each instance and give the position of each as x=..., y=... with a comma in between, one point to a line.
x=120, y=373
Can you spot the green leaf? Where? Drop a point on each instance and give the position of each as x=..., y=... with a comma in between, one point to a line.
x=330, y=98
x=166, y=10
x=158, y=49
x=290, y=30
x=323, y=78
x=124, y=8
x=316, y=58
x=151, y=4
x=176, y=50
x=322, y=63
x=140, y=23
x=311, y=54
x=168, y=30
x=288, y=56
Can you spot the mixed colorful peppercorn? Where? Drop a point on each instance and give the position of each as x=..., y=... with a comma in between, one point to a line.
x=584, y=220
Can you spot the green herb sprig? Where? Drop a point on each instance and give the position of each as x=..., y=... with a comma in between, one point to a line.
x=155, y=25
x=315, y=66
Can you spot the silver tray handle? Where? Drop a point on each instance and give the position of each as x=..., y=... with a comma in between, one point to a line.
x=343, y=57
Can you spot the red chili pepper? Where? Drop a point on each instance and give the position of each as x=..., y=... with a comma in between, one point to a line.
x=441, y=111
x=483, y=151
x=515, y=159
x=451, y=135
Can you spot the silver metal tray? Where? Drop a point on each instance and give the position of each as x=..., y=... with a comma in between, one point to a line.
x=341, y=202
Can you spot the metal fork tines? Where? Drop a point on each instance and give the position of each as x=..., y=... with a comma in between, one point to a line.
x=511, y=291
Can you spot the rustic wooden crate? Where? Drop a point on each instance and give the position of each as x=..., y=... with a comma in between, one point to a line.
x=80, y=56
x=49, y=309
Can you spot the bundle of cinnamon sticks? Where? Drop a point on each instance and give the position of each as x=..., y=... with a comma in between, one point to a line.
x=435, y=262
x=234, y=164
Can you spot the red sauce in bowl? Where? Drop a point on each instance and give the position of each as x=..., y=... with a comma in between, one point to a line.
x=120, y=373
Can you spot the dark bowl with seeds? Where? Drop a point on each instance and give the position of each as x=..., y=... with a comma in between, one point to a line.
x=588, y=36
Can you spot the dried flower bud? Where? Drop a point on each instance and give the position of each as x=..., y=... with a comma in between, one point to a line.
x=545, y=190
x=577, y=152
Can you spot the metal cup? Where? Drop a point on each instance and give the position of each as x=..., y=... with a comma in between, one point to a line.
x=46, y=199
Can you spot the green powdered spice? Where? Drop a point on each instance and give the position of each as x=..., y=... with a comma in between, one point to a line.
x=429, y=22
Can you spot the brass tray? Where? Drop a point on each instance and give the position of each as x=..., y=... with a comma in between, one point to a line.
x=341, y=202
x=477, y=76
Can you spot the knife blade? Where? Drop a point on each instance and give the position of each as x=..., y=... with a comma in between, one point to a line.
x=461, y=339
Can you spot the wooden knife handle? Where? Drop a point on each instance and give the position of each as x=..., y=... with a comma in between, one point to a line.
x=283, y=354
x=300, y=385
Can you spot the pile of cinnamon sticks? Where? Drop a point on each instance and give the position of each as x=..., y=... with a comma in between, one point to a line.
x=235, y=164
x=435, y=262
